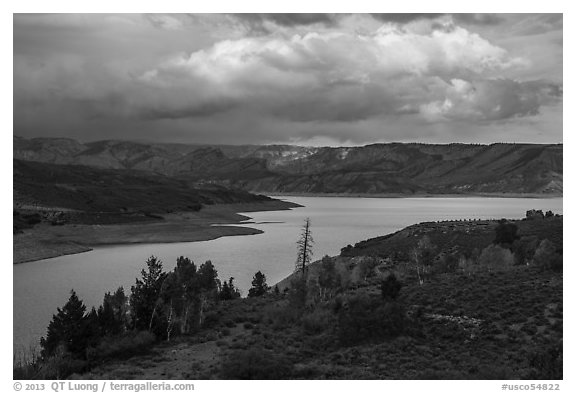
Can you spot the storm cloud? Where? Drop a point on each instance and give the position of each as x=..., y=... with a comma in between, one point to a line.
x=290, y=19
x=316, y=77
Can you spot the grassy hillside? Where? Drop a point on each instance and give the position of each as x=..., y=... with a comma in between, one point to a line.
x=453, y=236
x=104, y=196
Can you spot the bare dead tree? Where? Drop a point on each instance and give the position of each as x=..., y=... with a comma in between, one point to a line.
x=304, y=248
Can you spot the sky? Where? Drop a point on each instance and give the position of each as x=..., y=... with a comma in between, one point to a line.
x=307, y=79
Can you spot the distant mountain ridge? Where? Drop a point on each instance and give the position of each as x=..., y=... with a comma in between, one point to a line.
x=391, y=168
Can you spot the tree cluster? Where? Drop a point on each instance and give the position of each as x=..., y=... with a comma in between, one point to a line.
x=538, y=214
x=163, y=304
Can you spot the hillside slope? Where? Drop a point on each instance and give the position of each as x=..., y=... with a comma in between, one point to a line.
x=505, y=322
x=394, y=168
x=66, y=209
x=114, y=191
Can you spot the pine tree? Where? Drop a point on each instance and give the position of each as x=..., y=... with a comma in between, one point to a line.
x=146, y=294
x=229, y=291
x=112, y=315
x=304, y=248
x=67, y=329
x=235, y=292
x=259, y=286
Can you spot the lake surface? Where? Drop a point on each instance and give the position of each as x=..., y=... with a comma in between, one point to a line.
x=40, y=287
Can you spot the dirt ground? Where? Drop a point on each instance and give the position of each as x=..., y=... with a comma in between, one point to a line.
x=185, y=360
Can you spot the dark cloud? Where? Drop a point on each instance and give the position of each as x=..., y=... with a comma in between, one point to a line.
x=300, y=19
x=470, y=19
x=256, y=21
x=319, y=76
x=292, y=20
x=202, y=110
x=479, y=19
x=404, y=18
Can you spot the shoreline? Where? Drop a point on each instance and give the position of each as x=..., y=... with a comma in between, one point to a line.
x=406, y=196
x=212, y=222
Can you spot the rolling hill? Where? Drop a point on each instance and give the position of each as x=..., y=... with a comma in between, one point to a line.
x=389, y=169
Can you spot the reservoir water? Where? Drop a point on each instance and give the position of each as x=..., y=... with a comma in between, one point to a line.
x=40, y=287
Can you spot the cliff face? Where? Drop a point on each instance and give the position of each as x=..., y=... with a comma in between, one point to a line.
x=393, y=168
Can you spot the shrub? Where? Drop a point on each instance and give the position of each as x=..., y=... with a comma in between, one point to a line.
x=122, y=347
x=365, y=269
x=546, y=256
x=547, y=363
x=281, y=316
x=448, y=263
x=557, y=262
x=25, y=363
x=211, y=319
x=430, y=374
x=229, y=323
x=225, y=332
x=390, y=287
x=495, y=257
x=364, y=319
x=524, y=250
x=506, y=232
x=318, y=321
x=61, y=365
x=256, y=363
x=298, y=294
x=492, y=372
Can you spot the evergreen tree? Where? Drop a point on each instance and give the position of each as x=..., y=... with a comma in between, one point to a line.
x=67, y=329
x=229, y=291
x=259, y=286
x=225, y=292
x=146, y=294
x=112, y=315
x=92, y=330
x=208, y=277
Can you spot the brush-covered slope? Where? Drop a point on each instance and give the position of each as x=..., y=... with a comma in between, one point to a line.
x=393, y=168
x=116, y=191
